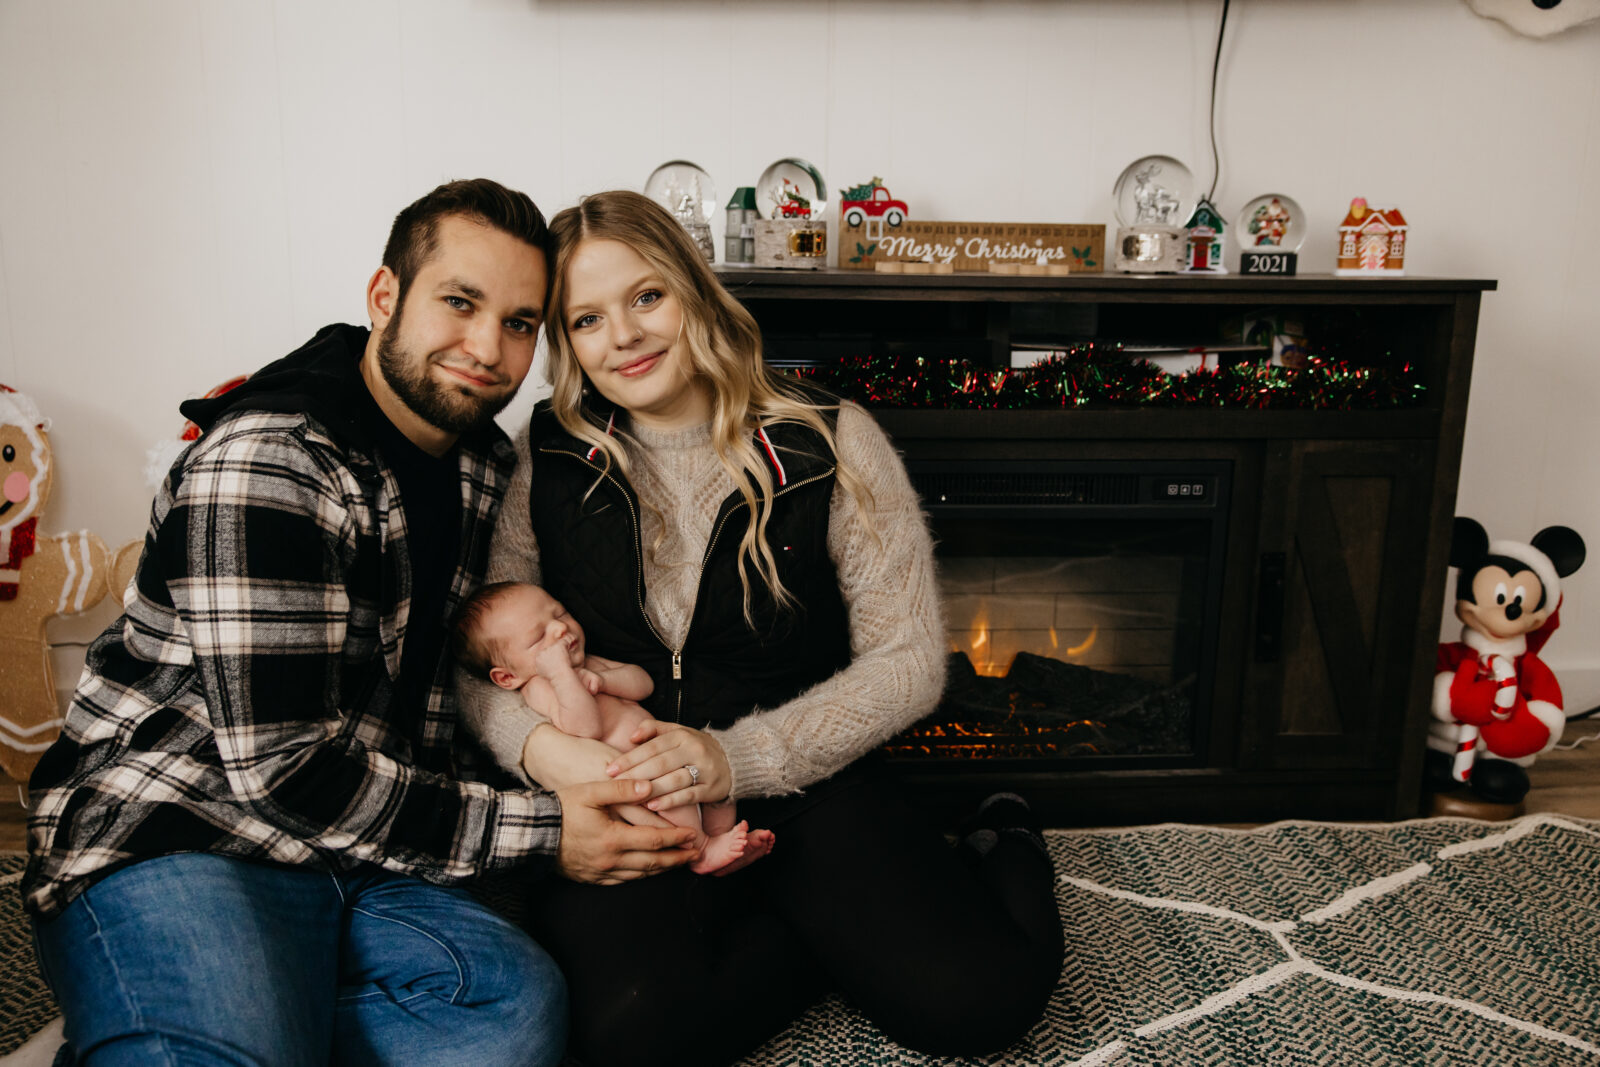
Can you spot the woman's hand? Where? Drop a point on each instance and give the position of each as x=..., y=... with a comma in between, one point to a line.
x=666, y=751
x=558, y=760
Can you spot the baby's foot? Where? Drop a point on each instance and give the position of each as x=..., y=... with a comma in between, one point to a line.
x=721, y=850
x=757, y=844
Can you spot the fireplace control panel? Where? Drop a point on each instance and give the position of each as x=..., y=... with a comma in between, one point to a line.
x=1074, y=486
x=1185, y=490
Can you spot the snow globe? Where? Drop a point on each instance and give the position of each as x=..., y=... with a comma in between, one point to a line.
x=1154, y=197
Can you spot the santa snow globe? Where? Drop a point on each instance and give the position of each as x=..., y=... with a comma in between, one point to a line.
x=1270, y=230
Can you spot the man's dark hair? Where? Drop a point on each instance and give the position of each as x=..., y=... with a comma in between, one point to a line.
x=414, y=238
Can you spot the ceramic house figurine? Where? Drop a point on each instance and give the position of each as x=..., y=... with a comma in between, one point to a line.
x=1203, y=254
x=740, y=239
x=1372, y=241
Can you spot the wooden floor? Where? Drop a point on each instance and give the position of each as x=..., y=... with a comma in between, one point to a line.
x=1566, y=783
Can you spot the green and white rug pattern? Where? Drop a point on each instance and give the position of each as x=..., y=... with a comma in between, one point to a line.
x=1429, y=942
x=25, y=1004
x=1439, y=942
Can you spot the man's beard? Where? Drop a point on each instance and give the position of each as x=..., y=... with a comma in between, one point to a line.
x=449, y=409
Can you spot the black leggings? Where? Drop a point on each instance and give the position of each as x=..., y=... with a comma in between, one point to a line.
x=947, y=953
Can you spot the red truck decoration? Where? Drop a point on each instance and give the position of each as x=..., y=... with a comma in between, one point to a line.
x=871, y=201
x=790, y=203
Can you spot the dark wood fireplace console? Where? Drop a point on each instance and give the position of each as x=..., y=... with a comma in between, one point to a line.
x=1338, y=525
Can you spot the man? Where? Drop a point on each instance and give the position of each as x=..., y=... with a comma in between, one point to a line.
x=248, y=844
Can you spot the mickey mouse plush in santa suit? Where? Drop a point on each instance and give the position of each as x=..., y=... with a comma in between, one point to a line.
x=1495, y=704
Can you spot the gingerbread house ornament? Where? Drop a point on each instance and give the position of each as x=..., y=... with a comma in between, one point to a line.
x=1372, y=242
x=41, y=576
x=1204, y=242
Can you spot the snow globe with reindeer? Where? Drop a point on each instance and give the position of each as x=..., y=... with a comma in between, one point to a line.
x=1154, y=196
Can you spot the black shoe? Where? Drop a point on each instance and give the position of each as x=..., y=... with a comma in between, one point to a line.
x=1001, y=814
x=1499, y=782
x=1437, y=772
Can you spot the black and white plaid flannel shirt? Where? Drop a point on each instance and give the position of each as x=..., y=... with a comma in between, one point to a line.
x=241, y=706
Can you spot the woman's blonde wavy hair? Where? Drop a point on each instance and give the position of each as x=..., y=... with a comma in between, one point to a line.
x=724, y=347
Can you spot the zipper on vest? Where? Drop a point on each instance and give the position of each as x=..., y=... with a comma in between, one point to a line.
x=638, y=552
x=677, y=661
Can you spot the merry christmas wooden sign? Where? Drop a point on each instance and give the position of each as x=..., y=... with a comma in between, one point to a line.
x=974, y=246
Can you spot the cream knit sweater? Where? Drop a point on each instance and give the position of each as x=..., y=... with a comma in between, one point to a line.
x=896, y=630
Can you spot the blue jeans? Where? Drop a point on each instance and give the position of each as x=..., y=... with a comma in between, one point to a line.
x=201, y=959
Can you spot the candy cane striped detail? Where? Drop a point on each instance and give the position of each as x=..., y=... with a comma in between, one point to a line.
x=611, y=423
x=772, y=454
x=1466, y=752
x=1505, y=681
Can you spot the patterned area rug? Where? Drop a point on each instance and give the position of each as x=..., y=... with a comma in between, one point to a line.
x=1300, y=944
x=1305, y=945
x=25, y=1004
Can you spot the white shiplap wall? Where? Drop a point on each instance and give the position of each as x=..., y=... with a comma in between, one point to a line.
x=190, y=188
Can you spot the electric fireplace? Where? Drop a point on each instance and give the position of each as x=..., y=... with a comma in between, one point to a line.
x=1081, y=604
x=1125, y=654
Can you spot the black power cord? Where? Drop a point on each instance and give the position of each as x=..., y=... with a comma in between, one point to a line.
x=1216, y=63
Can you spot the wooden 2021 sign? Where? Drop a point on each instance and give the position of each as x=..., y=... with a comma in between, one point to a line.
x=975, y=246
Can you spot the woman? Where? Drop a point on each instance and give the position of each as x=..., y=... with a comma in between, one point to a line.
x=758, y=548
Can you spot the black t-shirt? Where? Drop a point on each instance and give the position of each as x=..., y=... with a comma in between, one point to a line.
x=430, y=498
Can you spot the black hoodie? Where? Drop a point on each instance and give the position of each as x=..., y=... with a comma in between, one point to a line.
x=322, y=380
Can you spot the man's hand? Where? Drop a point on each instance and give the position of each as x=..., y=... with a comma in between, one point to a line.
x=598, y=847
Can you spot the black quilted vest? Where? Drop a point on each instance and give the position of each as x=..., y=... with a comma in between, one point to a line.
x=590, y=553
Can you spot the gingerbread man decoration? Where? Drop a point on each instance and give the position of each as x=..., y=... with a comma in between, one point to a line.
x=41, y=576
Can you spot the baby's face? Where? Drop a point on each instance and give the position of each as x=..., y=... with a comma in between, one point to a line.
x=520, y=626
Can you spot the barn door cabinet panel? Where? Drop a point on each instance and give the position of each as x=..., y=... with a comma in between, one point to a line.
x=1339, y=584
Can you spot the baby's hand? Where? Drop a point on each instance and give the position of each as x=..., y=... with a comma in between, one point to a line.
x=591, y=681
x=553, y=655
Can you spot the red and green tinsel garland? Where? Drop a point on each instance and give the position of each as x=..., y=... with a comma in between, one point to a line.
x=1091, y=374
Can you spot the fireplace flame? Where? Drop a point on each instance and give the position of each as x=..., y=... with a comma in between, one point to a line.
x=981, y=648
x=977, y=641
